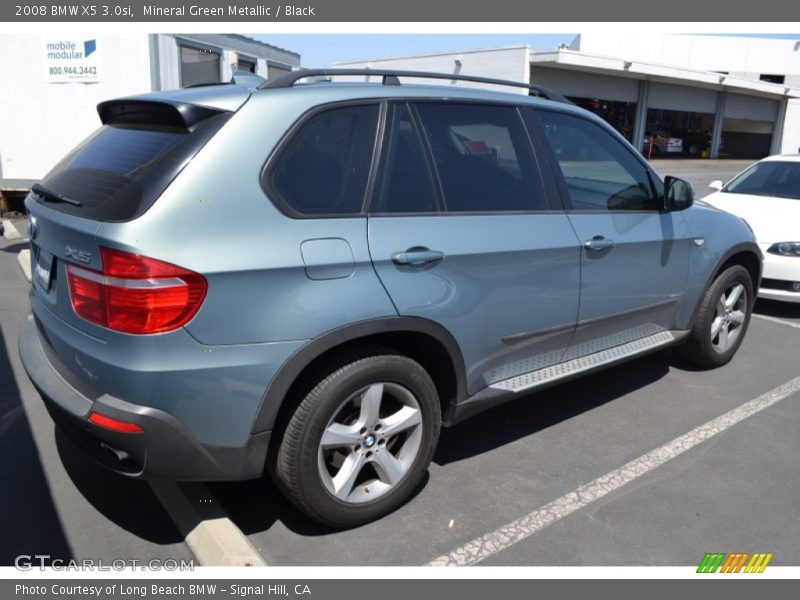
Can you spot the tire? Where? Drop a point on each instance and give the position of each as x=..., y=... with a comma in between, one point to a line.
x=721, y=323
x=379, y=418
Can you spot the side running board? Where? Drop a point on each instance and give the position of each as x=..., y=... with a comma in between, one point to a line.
x=547, y=375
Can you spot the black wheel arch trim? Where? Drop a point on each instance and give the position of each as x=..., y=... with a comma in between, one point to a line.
x=751, y=247
x=286, y=376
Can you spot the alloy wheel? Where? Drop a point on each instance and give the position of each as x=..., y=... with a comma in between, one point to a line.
x=370, y=443
x=729, y=317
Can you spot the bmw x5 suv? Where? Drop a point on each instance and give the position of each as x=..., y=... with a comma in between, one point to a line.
x=312, y=277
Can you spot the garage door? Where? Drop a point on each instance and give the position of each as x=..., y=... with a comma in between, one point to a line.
x=586, y=85
x=752, y=108
x=680, y=97
x=199, y=66
x=274, y=70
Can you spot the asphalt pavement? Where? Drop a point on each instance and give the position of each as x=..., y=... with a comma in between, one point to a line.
x=701, y=172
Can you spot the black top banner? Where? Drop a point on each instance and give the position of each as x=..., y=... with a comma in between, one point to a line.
x=129, y=11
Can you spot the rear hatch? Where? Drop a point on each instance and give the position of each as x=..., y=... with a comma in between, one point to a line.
x=115, y=175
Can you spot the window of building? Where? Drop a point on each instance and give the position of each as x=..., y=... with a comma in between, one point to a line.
x=274, y=70
x=483, y=158
x=600, y=173
x=246, y=64
x=199, y=66
x=323, y=169
x=772, y=78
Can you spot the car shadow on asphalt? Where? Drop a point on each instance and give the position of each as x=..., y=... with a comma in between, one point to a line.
x=29, y=521
x=255, y=506
x=530, y=413
x=128, y=503
x=15, y=247
x=781, y=310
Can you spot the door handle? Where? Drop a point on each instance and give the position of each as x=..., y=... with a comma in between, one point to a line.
x=598, y=243
x=417, y=257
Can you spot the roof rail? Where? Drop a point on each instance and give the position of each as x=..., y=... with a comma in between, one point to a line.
x=392, y=77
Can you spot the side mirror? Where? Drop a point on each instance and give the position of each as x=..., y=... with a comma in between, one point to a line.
x=716, y=184
x=678, y=194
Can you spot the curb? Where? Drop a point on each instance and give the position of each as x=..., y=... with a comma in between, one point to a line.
x=210, y=534
x=24, y=260
x=10, y=232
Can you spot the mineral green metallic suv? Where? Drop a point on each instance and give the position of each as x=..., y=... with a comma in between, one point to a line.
x=315, y=277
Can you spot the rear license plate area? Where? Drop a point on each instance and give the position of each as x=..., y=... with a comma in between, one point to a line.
x=43, y=269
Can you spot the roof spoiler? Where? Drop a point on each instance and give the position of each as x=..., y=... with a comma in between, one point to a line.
x=152, y=112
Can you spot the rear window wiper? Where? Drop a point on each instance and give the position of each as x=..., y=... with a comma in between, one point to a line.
x=52, y=196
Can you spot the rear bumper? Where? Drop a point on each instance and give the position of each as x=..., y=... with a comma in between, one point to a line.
x=166, y=449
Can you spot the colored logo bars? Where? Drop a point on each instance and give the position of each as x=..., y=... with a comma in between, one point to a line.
x=734, y=562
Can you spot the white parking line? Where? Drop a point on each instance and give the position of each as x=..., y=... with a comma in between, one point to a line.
x=10, y=232
x=777, y=320
x=211, y=536
x=24, y=261
x=493, y=542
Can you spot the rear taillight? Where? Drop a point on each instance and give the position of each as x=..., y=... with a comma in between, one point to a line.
x=114, y=424
x=135, y=294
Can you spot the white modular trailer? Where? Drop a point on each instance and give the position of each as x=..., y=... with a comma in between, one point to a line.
x=52, y=83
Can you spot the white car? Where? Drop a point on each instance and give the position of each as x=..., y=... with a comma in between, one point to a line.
x=767, y=196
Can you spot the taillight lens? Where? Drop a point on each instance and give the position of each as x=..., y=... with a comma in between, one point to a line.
x=136, y=294
x=114, y=424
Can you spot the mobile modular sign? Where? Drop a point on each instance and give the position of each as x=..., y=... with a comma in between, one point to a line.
x=69, y=60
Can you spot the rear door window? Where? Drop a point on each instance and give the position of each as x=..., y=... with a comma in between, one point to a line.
x=483, y=158
x=324, y=167
x=120, y=170
x=406, y=185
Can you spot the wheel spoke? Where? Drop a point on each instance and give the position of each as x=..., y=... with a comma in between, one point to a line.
x=724, y=337
x=338, y=435
x=737, y=317
x=388, y=468
x=733, y=296
x=716, y=326
x=721, y=306
x=346, y=477
x=405, y=418
x=371, y=405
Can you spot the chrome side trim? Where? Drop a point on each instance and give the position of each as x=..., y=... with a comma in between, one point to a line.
x=525, y=335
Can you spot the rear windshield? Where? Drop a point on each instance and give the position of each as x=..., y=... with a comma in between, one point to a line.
x=769, y=178
x=119, y=171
